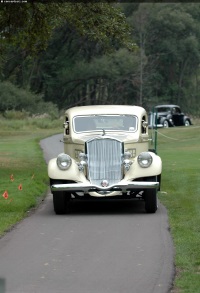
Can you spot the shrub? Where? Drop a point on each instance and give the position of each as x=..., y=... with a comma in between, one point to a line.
x=19, y=102
x=16, y=115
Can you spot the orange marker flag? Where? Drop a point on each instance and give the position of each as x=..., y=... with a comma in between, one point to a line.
x=5, y=194
x=12, y=177
x=20, y=187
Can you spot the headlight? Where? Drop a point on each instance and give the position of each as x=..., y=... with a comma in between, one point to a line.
x=64, y=161
x=145, y=160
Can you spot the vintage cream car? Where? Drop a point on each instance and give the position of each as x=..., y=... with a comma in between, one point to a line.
x=106, y=155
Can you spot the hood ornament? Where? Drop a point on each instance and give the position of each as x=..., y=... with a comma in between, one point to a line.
x=104, y=133
x=104, y=183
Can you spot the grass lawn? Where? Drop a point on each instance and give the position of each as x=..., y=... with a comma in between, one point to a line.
x=23, y=171
x=23, y=178
x=180, y=193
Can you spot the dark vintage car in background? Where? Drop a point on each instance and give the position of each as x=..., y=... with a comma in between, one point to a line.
x=168, y=116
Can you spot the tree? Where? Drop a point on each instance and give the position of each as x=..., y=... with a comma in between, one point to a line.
x=107, y=79
x=176, y=47
x=74, y=70
x=167, y=35
x=140, y=22
x=30, y=25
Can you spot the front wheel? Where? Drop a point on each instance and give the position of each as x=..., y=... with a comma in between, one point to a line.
x=187, y=122
x=151, y=201
x=61, y=202
x=165, y=124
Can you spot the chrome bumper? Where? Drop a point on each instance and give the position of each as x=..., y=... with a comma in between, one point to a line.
x=122, y=186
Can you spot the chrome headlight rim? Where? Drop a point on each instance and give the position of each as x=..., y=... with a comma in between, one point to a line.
x=145, y=159
x=64, y=161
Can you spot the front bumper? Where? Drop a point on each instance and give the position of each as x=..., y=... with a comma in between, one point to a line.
x=122, y=187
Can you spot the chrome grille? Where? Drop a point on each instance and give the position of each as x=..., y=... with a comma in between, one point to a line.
x=104, y=160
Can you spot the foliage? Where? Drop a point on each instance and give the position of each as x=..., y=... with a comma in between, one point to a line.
x=26, y=30
x=74, y=69
x=26, y=25
x=26, y=125
x=18, y=99
x=92, y=83
x=169, y=35
x=30, y=25
x=15, y=115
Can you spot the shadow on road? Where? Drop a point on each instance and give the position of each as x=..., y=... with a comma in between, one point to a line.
x=98, y=207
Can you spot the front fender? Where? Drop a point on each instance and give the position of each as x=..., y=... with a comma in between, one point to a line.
x=137, y=172
x=187, y=118
x=72, y=173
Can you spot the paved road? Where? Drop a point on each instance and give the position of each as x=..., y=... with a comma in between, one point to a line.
x=111, y=247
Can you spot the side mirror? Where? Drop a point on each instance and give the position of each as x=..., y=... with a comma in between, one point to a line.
x=144, y=124
x=66, y=125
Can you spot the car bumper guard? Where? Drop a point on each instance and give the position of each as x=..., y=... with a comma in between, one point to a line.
x=87, y=187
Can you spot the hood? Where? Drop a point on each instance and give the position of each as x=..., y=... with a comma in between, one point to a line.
x=123, y=137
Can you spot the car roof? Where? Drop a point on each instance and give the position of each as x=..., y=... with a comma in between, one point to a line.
x=105, y=109
x=169, y=105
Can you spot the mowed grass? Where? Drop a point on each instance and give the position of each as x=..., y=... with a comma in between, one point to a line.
x=21, y=159
x=180, y=192
x=23, y=171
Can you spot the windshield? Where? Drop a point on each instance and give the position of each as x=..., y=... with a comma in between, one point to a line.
x=163, y=109
x=168, y=109
x=106, y=122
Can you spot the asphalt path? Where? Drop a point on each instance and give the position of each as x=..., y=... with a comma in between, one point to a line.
x=106, y=247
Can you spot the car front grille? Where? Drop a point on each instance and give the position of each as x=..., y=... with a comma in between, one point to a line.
x=104, y=160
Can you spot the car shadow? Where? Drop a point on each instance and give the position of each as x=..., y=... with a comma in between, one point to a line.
x=98, y=207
